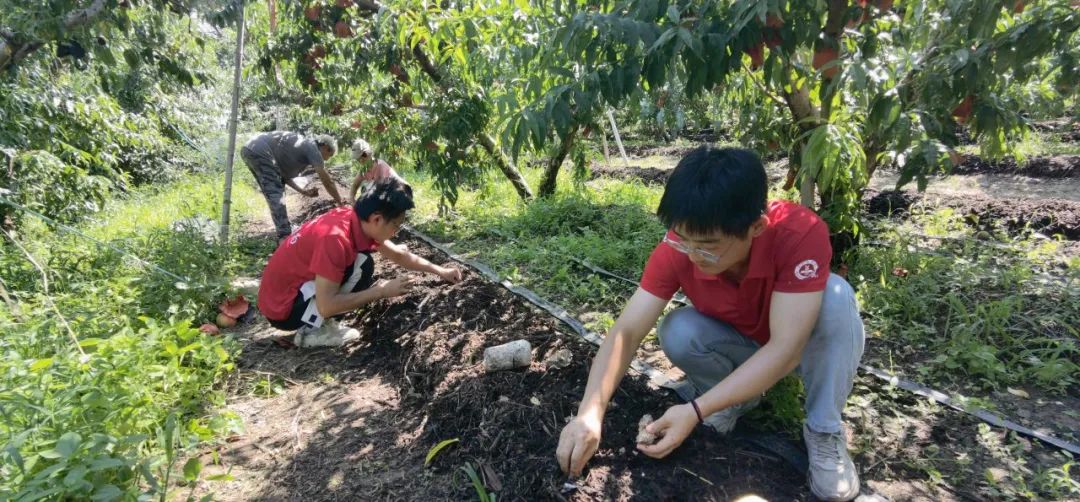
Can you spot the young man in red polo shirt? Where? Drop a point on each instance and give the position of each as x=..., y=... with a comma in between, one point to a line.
x=764, y=304
x=324, y=269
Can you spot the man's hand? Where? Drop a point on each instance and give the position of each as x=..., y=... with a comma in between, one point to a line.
x=311, y=192
x=450, y=274
x=578, y=443
x=395, y=287
x=673, y=427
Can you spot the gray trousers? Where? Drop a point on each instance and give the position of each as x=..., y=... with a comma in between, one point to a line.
x=260, y=161
x=708, y=350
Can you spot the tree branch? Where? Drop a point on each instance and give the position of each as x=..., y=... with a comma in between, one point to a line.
x=764, y=89
x=81, y=16
x=547, y=186
x=485, y=140
x=11, y=52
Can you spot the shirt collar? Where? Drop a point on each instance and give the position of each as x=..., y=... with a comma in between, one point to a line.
x=360, y=240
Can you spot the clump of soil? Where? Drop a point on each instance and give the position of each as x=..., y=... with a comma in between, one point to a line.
x=358, y=423
x=1068, y=129
x=1047, y=216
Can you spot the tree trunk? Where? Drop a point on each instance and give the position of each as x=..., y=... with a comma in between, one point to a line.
x=272, y=7
x=803, y=111
x=520, y=185
x=485, y=140
x=806, y=191
x=807, y=118
x=551, y=173
x=503, y=163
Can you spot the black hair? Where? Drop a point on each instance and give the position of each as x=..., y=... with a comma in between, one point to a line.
x=390, y=197
x=715, y=189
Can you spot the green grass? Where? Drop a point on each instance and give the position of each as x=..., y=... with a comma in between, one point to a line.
x=1037, y=143
x=106, y=379
x=990, y=315
x=611, y=225
x=1042, y=143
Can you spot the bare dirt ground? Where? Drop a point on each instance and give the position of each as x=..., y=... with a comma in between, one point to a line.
x=357, y=422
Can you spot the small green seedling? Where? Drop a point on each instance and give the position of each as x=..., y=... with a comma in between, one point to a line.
x=436, y=449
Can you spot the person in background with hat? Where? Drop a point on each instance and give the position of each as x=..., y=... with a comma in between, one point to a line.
x=372, y=170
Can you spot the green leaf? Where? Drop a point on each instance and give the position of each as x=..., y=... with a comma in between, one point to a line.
x=665, y=38
x=192, y=469
x=144, y=468
x=436, y=449
x=521, y=131
x=131, y=57
x=101, y=464
x=105, y=54
x=561, y=116
x=75, y=476
x=41, y=364
x=673, y=13
x=107, y=492
x=68, y=444
x=693, y=43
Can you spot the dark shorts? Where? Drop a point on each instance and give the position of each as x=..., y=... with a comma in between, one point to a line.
x=295, y=319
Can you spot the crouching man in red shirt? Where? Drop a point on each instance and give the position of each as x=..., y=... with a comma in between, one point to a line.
x=325, y=268
x=764, y=305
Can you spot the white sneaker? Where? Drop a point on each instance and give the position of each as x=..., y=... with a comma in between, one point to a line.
x=330, y=334
x=832, y=473
x=724, y=420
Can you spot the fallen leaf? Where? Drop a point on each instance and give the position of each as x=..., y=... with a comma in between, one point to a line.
x=436, y=449
x=996, y=474
x=491, y=478
x=1018, y=392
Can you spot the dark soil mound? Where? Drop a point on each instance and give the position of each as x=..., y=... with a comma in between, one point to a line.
x=648, y=175
x=1047, y=216
x=1059, y=166
x=415, y=378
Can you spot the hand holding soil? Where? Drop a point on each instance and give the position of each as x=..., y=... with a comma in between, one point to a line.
x=643, y=435
x=672, y=429
x=450, y=274
x=311, y=192
x=578, y=442
x=396, y=287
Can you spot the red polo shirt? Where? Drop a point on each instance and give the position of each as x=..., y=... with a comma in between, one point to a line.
x=791, y=256
x=324, y=246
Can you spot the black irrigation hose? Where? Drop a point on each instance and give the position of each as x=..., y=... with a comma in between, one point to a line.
x=662, y=380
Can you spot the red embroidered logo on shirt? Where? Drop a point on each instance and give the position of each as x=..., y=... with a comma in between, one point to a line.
x=806, y=270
